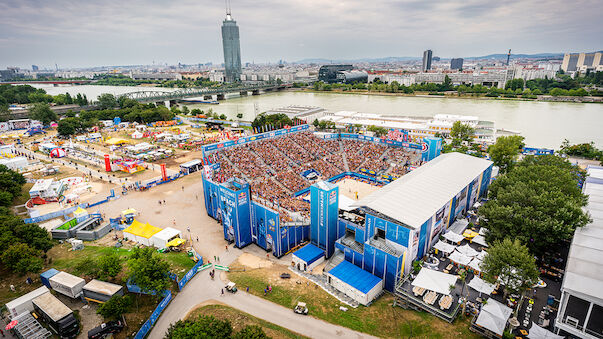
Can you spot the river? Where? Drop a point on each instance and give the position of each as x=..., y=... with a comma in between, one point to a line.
x=543, y=124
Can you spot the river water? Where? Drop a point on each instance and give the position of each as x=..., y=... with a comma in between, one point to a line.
x=543, y=124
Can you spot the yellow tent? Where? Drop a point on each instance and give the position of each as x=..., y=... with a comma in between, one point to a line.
x=116, y=141
x=469, y=234
x=79, y=212
x=175, y=242
x=141, y=233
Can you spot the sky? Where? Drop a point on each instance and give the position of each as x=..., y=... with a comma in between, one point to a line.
x=87, y=33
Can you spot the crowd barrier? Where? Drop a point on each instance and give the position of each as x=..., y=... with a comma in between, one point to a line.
x=190, y=274
x=146, y=327
x=53, y=215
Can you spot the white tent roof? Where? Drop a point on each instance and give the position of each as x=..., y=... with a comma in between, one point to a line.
x=494, y=316
x=481, y=286
x=166, y=234
x=443, y=177
x=480, y=240
x=459, y=226
x=444, y=247
x=459, y=258
x=454, y=237
x=467, y=250
x=537, y=332
x=584, y=269
x=436, y=281
x=476, y=264
x=346, y=203
x=481, y=255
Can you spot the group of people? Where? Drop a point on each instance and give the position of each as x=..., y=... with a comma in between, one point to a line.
x=274, y=167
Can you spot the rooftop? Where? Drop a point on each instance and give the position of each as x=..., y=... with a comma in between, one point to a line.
x=355, y=276
x=405, y=199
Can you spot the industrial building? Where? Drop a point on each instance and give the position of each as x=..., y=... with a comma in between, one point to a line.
x=581, y=304
x=328, y=73
x=232, y=49
x=582, y=62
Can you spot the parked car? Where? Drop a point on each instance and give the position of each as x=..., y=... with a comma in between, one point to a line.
x=105, y=329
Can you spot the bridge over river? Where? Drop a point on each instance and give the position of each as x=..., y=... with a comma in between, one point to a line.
x=206, y=93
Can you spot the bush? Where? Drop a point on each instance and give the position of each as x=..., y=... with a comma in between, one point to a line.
x=115, y=307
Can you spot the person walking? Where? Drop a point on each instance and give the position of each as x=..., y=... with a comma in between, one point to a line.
x=226, y=248
x=222, y=292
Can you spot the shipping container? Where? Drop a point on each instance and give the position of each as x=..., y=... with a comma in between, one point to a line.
x=59, y=317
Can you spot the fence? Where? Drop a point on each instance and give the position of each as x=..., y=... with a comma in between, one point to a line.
x=190, y=274
x=53, y=215
x=146, y=327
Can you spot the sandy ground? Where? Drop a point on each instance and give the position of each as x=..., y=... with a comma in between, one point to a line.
x=349, y=188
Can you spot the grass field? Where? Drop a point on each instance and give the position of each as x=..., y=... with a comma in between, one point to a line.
x=239, y=319
x=380, y=319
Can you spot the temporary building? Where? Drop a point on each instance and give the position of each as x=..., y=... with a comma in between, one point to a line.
x=80, y=214
x=453, y=237
x=493, y=317
x=24, y=304
x=141, y=233
x=15, y=163
x=161, y=238
x=192, y=166
x=355, y=282
x=47, y=275
x=308, y=257
x=459, y=258
x=137, y=135
x=481, y=286
x=101, y=291
x=67, y=284
x=537, y=332
x=444, y=247
x=436, y=281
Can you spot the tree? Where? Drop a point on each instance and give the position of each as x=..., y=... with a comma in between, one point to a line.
x=462, y=132
x=239, y=116
x=109, y=266
x=115, y=307
x=505, y=151
x=251, y=332
x=537, y=202
x=511, y=262
x=107, y=101
x=447, y=84
x=22, y=259
x=202, y=327
x=42, y=113
x=515, y=84
x=65, y=128
x=185, y=110
x=148, y=270
x=10, y=185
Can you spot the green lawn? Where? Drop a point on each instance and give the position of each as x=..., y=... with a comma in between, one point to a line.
x=73, y=261
x=380, y=319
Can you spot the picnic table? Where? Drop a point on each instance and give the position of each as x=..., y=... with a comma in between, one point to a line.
x=445, y=302
x=418, y=291
x=430, y=297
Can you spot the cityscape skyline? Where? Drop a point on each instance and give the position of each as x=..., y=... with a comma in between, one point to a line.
x=110, y=33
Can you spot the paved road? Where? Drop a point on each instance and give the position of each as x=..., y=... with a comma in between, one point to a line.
x=201, y=289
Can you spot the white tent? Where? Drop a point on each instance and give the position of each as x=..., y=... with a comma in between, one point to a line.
x=481, y=255
x=459, y=226
x=161, y=238
x=459, y=258
x=467, y=250
x=454, y=237
x=345, y=203
x=494, y=316
x=537, y=332
x=481, y=286
x=137, y=135
x=436, y=281
x=476, y=264
x=444, y=247
x=480, y=240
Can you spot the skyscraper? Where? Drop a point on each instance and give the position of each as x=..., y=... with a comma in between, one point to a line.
x=427, y=60
x=456, y=63
x=232, y=49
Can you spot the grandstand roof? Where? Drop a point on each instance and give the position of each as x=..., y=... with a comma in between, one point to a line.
x=418, y=195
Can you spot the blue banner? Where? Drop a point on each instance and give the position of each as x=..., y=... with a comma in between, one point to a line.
x=190, y=274
x=146, y=327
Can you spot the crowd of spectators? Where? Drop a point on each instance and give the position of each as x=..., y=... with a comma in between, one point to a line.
x=273, y=167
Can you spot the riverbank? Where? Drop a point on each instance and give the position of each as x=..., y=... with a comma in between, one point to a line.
x=456, y=95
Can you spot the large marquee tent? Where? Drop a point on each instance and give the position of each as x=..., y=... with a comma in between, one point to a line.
x=436, y=281
x=141, y=233
x=493, y=317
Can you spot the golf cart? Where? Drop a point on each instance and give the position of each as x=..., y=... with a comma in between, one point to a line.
x=301, y=308
x=231, y=287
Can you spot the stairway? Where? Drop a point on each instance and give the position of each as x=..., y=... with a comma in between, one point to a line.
x=344, y=156
x=337, y=258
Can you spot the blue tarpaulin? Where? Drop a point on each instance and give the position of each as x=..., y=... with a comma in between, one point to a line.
x=355, y=276
x=309, y=253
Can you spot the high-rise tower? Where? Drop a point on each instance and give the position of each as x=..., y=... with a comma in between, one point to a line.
x=232, y=48
x=427, y=60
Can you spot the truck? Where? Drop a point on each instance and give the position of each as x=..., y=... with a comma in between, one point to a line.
x=67, y=284
x=57, y=315
x=24, y=304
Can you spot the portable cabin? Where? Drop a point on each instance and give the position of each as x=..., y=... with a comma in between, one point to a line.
x=101, y=291
x=67, y=284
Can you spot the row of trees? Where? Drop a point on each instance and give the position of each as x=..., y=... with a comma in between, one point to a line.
x=22, y=246
x=585, y=150
x=122, y=80
x=273, y=121
x=26, y=94
x=210, y=327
